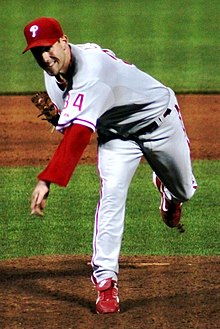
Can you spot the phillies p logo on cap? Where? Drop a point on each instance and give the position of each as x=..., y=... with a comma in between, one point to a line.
x=33, y=30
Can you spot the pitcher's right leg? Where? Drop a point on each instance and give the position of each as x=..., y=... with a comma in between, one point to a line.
x=118, y=161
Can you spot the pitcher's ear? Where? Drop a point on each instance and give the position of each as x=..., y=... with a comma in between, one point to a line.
x=64, y=41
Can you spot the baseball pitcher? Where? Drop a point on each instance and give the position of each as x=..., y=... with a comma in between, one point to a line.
x=90, y=89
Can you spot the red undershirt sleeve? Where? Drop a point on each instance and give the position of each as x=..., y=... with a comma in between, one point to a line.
x=60, y=168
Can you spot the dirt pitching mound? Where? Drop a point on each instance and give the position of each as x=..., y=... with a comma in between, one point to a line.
x=155, y=292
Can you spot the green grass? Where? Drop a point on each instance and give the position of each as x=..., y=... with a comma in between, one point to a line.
x=201, y=218
x=177, y=41
x=68, y=223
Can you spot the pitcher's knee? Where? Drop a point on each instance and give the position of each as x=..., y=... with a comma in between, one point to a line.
x=186, y=194
x=116, y=191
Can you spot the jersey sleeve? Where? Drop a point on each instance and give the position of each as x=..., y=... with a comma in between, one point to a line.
x=84, y=106
x=60, y=168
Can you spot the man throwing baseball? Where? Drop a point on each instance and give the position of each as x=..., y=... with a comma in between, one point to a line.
x=134, y=115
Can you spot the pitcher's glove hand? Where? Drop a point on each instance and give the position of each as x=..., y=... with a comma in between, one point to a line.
x=43, y=102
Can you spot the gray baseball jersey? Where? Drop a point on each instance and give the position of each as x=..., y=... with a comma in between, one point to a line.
x=107, y=90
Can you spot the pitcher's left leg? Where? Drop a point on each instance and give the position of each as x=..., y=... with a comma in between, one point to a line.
x=168, y=153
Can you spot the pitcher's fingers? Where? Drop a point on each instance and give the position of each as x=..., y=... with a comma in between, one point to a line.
x=37, y=211
x=43, y=204
x=34, y=199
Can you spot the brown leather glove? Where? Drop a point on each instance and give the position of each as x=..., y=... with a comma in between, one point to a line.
x=47, y=108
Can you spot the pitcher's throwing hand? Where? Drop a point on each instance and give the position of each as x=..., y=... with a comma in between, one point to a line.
x=38, y=198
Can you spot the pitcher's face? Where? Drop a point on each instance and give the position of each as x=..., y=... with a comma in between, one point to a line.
x=53, y=59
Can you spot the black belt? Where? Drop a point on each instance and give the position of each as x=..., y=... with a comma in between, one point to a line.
x=152, y=126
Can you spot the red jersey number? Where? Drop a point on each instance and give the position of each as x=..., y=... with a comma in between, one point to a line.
x=77, y=101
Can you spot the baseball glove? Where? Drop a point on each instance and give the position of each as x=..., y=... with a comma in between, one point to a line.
x=43, y=102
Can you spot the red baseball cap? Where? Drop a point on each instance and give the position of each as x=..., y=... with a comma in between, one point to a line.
x=43, y=31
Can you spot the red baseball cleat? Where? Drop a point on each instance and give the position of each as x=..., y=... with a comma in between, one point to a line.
x=170, y=211
x=108, y=300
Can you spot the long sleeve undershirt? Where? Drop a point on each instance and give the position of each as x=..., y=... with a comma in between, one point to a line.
x=67, y=155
